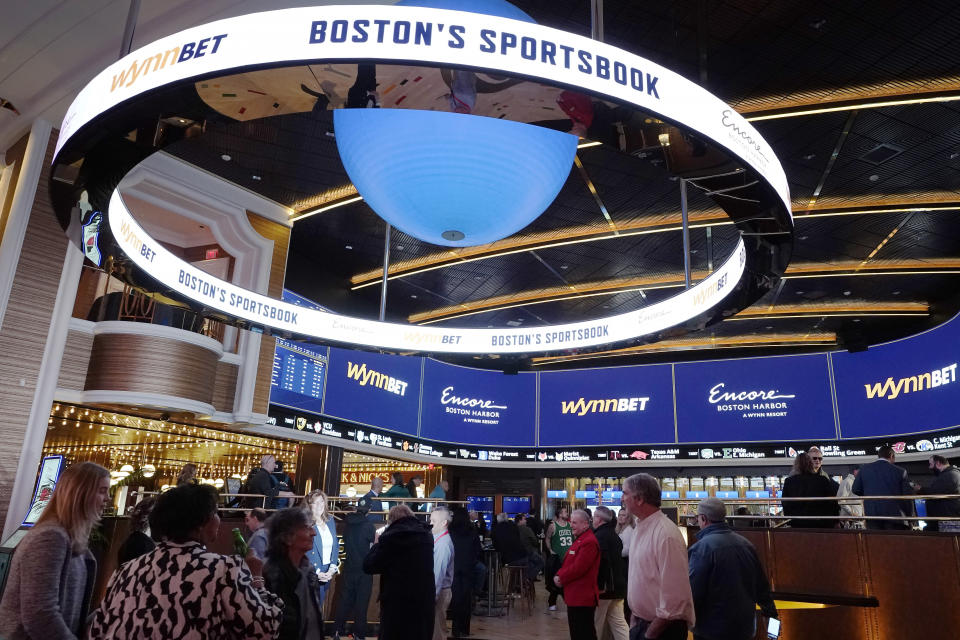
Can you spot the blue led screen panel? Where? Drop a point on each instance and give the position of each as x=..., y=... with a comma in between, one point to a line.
x=473, y=406
x=512, y=505
x=297, y=376
x=755, y=399
x=298, y=368
x=900, y=387
x=374, y=389
x=620, y=405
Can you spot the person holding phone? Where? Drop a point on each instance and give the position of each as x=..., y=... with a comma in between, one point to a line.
x=726, y=578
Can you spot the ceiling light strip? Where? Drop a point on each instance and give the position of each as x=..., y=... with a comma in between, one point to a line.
x=611, y=288
x=707, y=219
x=866, y=104
x=326, y=207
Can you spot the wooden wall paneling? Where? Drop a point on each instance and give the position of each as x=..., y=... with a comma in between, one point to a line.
x=917, y=581
x=280, y=235
x=26, y=324
x=826, y=561
x=225, y=386
x=14, y=157
x=149, y=364
x=76, y=361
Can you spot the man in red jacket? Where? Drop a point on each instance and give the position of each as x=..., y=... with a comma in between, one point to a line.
x=578, y=578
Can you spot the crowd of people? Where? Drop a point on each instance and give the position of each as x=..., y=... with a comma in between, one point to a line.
x=882, y=477
x=621, y=575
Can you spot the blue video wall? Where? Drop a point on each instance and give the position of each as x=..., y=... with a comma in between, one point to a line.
x=903, y=387
x=618, y=405
x=758, y=399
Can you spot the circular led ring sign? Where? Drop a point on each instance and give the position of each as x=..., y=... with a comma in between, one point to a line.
x=429, y=37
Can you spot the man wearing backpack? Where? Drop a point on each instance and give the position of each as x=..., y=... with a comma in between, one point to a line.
x=262, y=482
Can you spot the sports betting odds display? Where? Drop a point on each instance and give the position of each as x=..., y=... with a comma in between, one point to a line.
x=903, y=387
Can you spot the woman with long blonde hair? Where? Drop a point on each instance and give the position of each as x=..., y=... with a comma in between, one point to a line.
x=52, y=573
x=326, y=546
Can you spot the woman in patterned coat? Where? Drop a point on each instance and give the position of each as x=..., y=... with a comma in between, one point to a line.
x=181, y=591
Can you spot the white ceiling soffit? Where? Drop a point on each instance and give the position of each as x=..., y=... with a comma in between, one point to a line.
x=50, y=49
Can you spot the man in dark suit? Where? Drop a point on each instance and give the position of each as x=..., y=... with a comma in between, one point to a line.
x=372, y=499
x=883, y=478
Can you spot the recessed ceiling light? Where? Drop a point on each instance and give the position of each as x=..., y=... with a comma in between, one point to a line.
x=810, y=156
x=413, y=295
x=478, y=277
x=803, y=237
x=856, y=319
x=847, y=292
x=896, y=293
x=768, y=327
x=256, y=177
x=563, y=266
x=225, y=158
x=348, y=246
x=606, y=306
x=874, y=178
x=399, y=247
x=800, y=293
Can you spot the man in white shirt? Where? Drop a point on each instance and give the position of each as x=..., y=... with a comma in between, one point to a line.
x=442, y=569
x=658, y=585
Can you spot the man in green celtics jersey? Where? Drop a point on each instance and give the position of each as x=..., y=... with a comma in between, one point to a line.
x=559, y=538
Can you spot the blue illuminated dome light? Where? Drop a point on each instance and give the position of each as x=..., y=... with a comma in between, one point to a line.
x=453, y=179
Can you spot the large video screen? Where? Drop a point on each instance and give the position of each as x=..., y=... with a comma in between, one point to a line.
x=901, y=387
x=374, y=389
x=754, y=399
x=619, y=405
x=474, y=406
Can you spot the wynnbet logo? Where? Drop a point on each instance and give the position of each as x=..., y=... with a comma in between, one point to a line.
x=890, y=389
x=582, y=406
x=365, y=377
x=182, y=53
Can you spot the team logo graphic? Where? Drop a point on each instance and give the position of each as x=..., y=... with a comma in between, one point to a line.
x=924, y=445
x=707, y=454
x=301, y=424
x=899, y=447
x=639, y=455
x=541, y=456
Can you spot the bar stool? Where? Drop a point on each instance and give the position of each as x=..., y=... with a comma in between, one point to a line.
x=518, y=587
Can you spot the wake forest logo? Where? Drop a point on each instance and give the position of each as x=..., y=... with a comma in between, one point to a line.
x=582, y=406
x=891, y=389
x=364, y=376
x=754, y=403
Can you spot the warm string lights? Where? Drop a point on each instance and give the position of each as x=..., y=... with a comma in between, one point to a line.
x=157, y=447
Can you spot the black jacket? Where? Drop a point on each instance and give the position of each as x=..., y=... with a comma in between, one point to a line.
x=357, y=539
x=467, y=552
x=810, y=485
x=282, y=579
x=612, y=578
x=404, y=559
x=727, y=581
x=262, y=482
x=506, y=540
x=946, y=482
x=137, y=544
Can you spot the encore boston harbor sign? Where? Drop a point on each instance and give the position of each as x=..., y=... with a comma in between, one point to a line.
x=150, y=81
